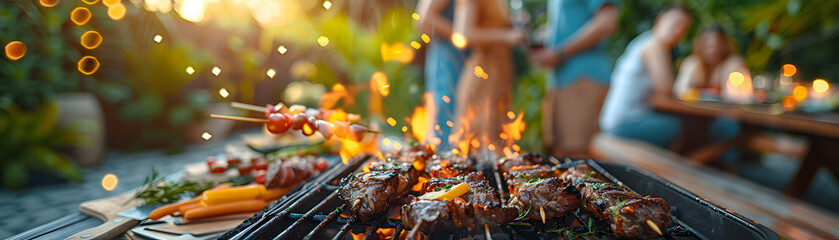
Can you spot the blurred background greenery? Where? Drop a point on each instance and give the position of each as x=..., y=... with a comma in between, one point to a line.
x=297, y=51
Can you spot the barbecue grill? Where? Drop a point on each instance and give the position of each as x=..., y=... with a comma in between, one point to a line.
x=313, y=211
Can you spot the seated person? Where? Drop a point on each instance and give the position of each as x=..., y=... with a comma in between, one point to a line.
x=704, y=74
x=643, y=80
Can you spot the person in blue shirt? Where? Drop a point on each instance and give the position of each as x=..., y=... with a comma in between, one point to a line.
x=443, y=64
x=579, y=72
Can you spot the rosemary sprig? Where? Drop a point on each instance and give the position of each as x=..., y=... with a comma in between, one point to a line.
x=339, y=209
x=523, y=216
x=156, y=189
x=533, y=180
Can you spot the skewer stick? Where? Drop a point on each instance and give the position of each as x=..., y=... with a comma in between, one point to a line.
x=237, y=118
x=415, y=230
x=654, y=227
x=542, y=213
x=486, y=231
x=246, y=106
x=355, y=204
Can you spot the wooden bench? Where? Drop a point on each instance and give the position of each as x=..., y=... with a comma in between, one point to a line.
x=790, y=218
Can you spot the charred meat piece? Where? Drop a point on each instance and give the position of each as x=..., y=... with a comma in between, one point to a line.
x=369, y=193
x=449, y=166
x=554, y=196
x=526, y=159
x=436, y=215
x=480, y=192
x=627, y=212
x=408, y=175
x=521, y=174
x=292, y=171
x=481, y=205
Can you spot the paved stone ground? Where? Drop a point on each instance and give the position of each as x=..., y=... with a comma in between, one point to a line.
x=21, y=211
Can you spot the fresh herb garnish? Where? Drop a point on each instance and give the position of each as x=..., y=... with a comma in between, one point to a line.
x=339, y=209
x=590, y=173
x=617, y=208
x=156, y=189
x=523, y=215
x=574, y=232
x=533, y=180
x=595, y=186
x=447, y=187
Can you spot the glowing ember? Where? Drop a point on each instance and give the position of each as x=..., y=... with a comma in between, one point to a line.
x=419, y=124
x=158, y=38
x=281, y=49
x=323, y=41
x=446, y=99
x=117, y=11
x=425, y=38
x=458, y=40
x=415, y=16
x=88, y=65
x=799, y=93
x=379, y=83
x=736, y=78
x=109, y=181
x=789, y=70
x=223, y=93
x=391, y=121
x=514, y=129
x=80, y=15
x=216, y=70
x=820, y=86
x=270, y=73
x=15, y=50
x=49, y=3
x=511, y=115
x=190, y=70
x=206, y=136
x=327, y=5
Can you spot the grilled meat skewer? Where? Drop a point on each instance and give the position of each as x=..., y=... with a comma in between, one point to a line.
x=537, y=186
x=630, y=215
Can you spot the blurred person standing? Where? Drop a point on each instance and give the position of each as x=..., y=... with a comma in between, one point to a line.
x=443, y=64
x=484, y=91
x=705, y=73
x=580, y=71
x=643, y=77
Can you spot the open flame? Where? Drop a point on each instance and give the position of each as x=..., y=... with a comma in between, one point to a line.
x=511, y=133
x=419, y=124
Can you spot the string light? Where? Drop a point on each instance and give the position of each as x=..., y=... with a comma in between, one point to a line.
x=415, y=45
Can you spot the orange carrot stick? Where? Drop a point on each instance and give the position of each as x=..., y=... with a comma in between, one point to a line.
x=225, y=208
x=272, y=194
x=168, y=209
x=186, y=207
x=234, y=194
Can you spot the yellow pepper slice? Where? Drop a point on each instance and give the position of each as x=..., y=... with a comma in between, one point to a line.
x=248, y=192
x=449, y=195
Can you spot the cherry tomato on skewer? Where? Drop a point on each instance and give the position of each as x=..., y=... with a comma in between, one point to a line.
x=279, y=123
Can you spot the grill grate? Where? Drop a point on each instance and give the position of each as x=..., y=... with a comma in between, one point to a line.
x=309, y=212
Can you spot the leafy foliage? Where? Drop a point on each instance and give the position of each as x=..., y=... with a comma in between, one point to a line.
x=156, y=189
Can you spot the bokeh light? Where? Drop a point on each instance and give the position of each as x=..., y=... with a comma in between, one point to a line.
x=192, y=10
x=327, y=4
x=479, y=72
x=404, y=128
x=190, y=70
x=88, y=65
x=157, y=38
x=206, y=136
x=80, y=15
x=379, y=83
x=270, y=73
x=458, y=40
x=391, y=121
x=415, y=16
x=736, y=78
x=511, y=115
x=281, y=49
x=216, y=71
x=446, y=99
x=90, y=1
x=223, y=93
x=820, y=86
x=415, y=45
x=117, y=11
x=49, y=3
x=91, y=39
x=799, y=93
x=425, y=38
x=110, y=3
x=789, y=70
x=15, y=50
x=109, y=181
x=323, y=41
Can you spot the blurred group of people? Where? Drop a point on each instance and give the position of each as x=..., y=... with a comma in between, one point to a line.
x=469, y=72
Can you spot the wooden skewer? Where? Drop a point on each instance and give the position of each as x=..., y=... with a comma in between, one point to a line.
x=415, y=230
x=237, y=118
x=542, y=212
x=486, y=231
x=355, y=204
x=246, y=106
x=654, y=227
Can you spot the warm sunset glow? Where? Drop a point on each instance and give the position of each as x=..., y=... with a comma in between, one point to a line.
x=216, y=70
x=223, y=92
x=80, y=15
x=88, y=65
x=206, y=136
x=736, y=78
x=281, y=49
x=799, y=93
x=415, y=45
x=820, y=86
x=425, y=38
x=192, y=10
x=117, y=11
x=109, y=181
x=48, y=3
x=789, y=70
x=458, y=40
x=323, y=41
x=91, y=39
x=15, y=50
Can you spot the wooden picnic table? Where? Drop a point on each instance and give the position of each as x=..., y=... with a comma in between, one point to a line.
x=822, y=130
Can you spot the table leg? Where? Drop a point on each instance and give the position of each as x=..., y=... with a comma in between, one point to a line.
x=819, y=151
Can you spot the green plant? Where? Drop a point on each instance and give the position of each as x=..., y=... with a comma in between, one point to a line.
x=29, y=141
